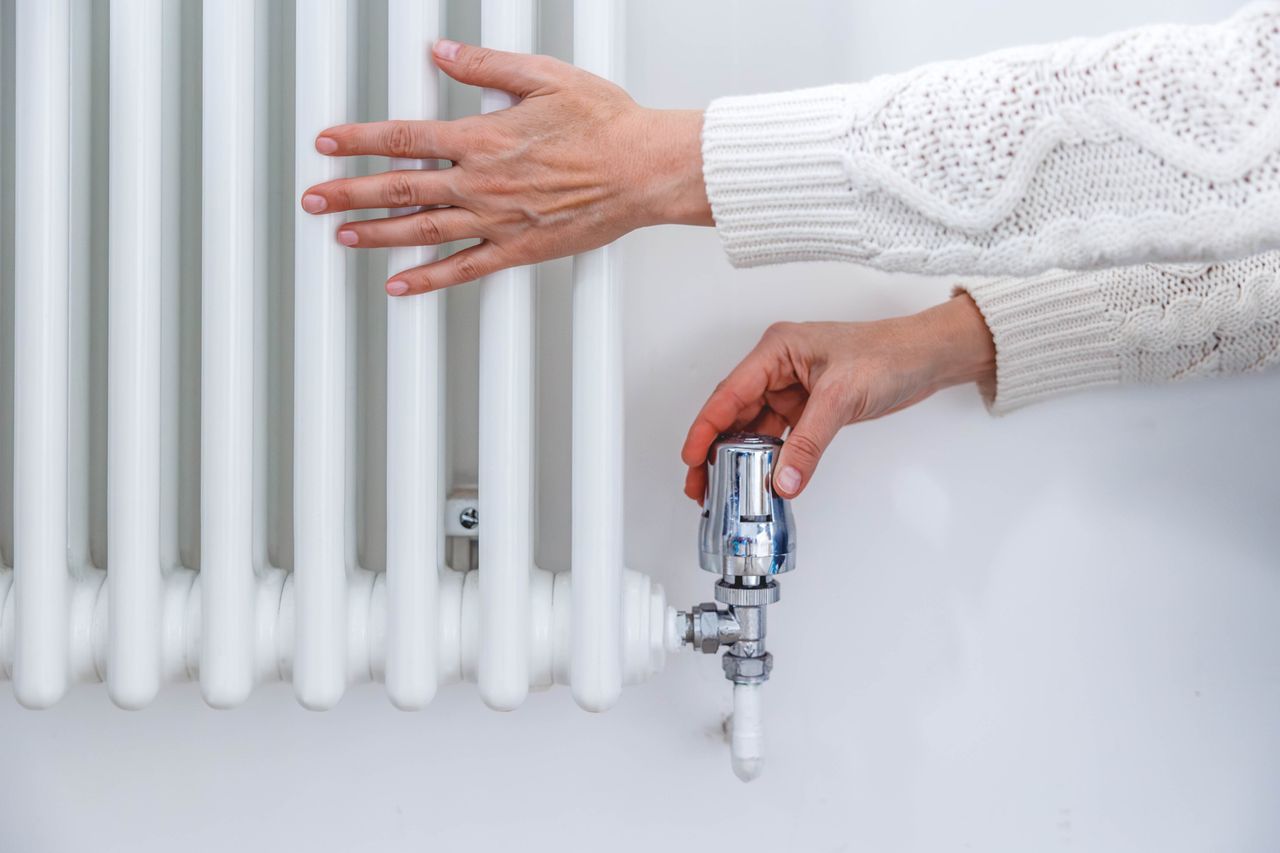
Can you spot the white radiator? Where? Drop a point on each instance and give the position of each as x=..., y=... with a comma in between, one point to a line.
x=121, y=570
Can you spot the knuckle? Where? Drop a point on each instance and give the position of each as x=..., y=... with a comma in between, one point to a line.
x=544, y=66
x=467, y=268
x=399, y=191
x=398, y=140
x=727, y=394
x=479, y=61
x=779, y=329
x=803, y=447
x=428, y=231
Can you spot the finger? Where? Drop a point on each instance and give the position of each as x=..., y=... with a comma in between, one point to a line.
x=695, y=483
x=767, y=422
x=405, y=188
x=467, y=265
x=738, y=398
x=409, y=140
x=822, y=418
x=724, y=410
x=518, y=73
x=424, y=228
x=788, y=403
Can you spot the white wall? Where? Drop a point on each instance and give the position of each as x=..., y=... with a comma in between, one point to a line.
x=1056, y=630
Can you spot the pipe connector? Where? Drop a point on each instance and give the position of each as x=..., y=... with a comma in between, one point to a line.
x=747, y=670
x=707, y=627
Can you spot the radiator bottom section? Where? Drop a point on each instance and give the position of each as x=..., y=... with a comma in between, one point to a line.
x=648, y=626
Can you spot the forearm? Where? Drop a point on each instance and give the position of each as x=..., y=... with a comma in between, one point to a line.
x=1065, y=331
x=1158, y=144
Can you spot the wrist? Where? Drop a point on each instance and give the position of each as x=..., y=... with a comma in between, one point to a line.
x=668, y=173
x=966, y=351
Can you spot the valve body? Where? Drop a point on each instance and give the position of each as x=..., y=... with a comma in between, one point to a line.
x=747, y=536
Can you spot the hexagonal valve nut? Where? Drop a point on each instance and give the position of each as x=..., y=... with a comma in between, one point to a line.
x=743, y=670
x=706, y=627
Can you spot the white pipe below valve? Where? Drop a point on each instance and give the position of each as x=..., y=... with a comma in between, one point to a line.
x=746, y=741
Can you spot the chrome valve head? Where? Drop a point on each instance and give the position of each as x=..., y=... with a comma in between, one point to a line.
x=747, y=530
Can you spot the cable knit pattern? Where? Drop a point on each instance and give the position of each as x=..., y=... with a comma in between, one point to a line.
x=1161, y=143
x=1062, y=331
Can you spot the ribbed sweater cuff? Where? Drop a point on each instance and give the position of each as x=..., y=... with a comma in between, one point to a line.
x=1052, y=335
x=768, y=162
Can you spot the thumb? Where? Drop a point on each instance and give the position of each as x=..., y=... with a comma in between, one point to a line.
x=517, y=73
x=821, y=419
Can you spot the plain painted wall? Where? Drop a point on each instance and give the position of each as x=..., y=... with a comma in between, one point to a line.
x=1056, y=630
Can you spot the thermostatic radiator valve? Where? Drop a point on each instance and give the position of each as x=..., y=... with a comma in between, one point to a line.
x=747, y=536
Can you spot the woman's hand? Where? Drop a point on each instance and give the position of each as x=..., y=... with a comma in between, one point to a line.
x=574, y=165
x=815, y=378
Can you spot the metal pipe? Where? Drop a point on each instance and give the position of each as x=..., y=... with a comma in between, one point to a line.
x=80, y=275
x=133, y=408
x=506, y=429
x=353, y=406
x=416, y=472
x=320, y=346
x=264, y=284
x=7, y=127
x=597, y=548
x=170, y=240
x=40, y=350
x=227, y=353
x=273, y=613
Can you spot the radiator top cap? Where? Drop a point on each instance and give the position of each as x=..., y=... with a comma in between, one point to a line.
x=747, y=530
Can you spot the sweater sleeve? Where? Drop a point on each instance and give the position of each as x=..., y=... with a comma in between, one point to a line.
x=1161, y=143
x=1063, y=331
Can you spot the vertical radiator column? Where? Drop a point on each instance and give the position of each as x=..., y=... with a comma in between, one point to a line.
x=171, y=248
x=415, y=395
x=133, y=408
x=596, y=664
x=40, y=350
x=506, y=429
x=266, y=285
x=81, y=273
x=320, y=323
x=227, y=355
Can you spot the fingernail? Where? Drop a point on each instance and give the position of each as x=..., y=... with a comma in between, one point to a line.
x=397, y=288
x=313, y=203
x=789, y=480
x=447, y=50
x=348, y=238
x=325, y=145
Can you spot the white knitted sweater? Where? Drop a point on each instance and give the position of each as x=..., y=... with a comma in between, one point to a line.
x=1158, y=144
